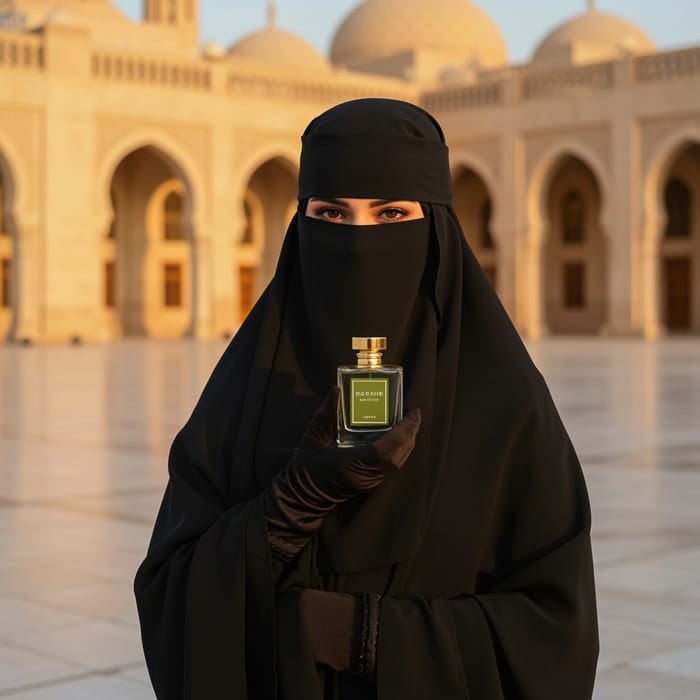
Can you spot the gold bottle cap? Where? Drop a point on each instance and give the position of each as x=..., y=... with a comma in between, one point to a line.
x=369, y=344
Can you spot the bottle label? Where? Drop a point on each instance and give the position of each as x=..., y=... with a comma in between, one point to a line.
x=369, y=403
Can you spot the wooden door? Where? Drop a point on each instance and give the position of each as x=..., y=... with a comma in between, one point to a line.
x=677, y=291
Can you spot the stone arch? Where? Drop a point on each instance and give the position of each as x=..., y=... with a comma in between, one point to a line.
x=272, y=151
x=539, y=230
x=473, y=202
x=17, y=247
x=8, y=267
x=267, y=204
x=461, y=159
x=574, y=251
x=178, y=158
x=653, y=251
x=149, y=278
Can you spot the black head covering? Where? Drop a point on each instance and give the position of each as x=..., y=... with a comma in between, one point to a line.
x=480, y=543
x=365, y=149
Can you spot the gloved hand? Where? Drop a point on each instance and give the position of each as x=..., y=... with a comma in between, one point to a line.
x=321, y=475
x=340, y=629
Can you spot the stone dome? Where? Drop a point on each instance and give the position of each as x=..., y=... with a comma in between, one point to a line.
x=276, y=46
x=602, y=36
x=213, y=49
x=456, y=28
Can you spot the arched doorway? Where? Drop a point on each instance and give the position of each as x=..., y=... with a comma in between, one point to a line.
x=679, y=247
x=147, y=254
x=8, y=286
x=269, y=204
x=474, y=208
x=574, y=251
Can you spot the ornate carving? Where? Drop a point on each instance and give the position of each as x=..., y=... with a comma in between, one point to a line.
x=194, y=75
x=667, y=65
x=575, y=80
x=481, y=95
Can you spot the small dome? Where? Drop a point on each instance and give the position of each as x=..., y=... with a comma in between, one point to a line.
x=602, y=36
x=59, y=16
x=456, y=28
x=272, y=45
x=213, y=49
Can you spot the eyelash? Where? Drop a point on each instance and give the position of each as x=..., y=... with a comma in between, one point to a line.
x=324, y=210
x=401, y=212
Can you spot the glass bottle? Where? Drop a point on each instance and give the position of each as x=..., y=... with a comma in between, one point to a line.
x=371, y=394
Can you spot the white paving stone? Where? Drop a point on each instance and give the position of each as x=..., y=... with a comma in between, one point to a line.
x=680, y=662
x=84, y=435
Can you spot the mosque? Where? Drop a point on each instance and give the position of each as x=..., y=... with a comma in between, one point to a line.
x=146, y=182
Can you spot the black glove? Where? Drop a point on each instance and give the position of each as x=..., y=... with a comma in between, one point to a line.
x=340, y=629
x=321, y=475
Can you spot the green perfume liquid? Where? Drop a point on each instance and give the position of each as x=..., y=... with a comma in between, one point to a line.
x=371, y=394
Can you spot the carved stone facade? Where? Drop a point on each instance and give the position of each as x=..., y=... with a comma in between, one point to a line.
x=145, y=185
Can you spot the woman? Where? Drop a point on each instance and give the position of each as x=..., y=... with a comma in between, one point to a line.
x=449, y=559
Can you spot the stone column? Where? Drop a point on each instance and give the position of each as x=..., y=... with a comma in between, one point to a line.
x=202, y=283
x=651, y=286
x=536, y=321
x=621, y=203
x=27, y=322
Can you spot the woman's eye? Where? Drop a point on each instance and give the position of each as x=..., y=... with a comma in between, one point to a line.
x=329, y=213
x=393, y=214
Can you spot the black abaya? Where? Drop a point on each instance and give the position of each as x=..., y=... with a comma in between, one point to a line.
x=480, y=545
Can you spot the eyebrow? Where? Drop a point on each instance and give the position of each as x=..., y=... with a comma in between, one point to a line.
x=344, y=203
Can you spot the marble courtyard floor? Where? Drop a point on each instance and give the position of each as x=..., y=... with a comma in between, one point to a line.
x=84, y=434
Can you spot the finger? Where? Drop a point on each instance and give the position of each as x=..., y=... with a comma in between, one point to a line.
x=396, y=446
x=321, y=430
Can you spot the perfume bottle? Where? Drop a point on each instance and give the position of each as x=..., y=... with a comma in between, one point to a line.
x=371, y=394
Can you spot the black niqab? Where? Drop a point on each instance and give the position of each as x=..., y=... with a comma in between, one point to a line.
x=480, y=545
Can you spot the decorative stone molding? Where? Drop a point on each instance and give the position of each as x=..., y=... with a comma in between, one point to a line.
x=472, y=96
x=580, y=80
x=241, y=84
x=123, y=67
x=667, y=65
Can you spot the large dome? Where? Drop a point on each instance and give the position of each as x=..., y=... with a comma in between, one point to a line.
x=601, y=35
x=284, y=49
x=381, y=28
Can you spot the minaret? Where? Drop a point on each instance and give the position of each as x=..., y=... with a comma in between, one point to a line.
x=271, y=14
x=181, y=15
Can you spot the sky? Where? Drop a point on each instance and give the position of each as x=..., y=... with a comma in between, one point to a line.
x=671, y=23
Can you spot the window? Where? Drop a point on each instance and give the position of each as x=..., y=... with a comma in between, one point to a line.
x=574, y=285
x=677, y=197
x=573, y=217
x=5, y=283
x=677, y=292
x=173, y=217
x=485, y=226
x=109, y=285
x=173, y=284
x=247, y=290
